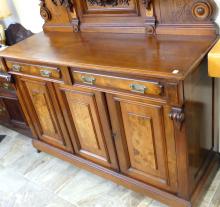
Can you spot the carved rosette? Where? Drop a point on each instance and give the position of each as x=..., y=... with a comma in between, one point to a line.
x=202, y=10
x=44, y=11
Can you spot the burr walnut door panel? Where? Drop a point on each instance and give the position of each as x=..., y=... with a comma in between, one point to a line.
x=140, y=129
x=44, y=112
x=90, y=125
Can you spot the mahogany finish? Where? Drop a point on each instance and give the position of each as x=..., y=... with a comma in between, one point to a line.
x=134, y=108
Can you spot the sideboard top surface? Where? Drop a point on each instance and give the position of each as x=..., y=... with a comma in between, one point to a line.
x=135, y=54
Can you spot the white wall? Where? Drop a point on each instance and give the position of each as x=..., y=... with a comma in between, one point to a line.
x=218, y=17
x=27, y=12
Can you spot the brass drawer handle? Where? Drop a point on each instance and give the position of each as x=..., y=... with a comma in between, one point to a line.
x=5, y=76
x=5, y=85
x=138, y=88
x=45, y=73
x=3, y=109
x=16, y=68
x=88, y=80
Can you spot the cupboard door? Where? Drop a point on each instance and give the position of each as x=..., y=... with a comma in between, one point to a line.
x=4, y=117
x=44, y=111
x=89, y=126
x=14, y=111
x=141, y=141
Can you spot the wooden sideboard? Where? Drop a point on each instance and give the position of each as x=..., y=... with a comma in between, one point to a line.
x=124, y=95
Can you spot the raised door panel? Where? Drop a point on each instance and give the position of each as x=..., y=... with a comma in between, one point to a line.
x=141, y=142
x=144, y=141
x=45, y=113
x=87, y=123
x=90, y=125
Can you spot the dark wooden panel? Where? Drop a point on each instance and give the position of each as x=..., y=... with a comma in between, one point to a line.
x=11, y=114
x=4, y=117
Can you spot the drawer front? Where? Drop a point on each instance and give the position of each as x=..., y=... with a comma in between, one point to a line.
x=35, y=70
x=131, y=85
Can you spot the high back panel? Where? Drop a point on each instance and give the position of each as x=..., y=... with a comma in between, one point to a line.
x=185, y=17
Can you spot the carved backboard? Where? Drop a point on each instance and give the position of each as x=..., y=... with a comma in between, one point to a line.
x=193, y=17
x=110, y=5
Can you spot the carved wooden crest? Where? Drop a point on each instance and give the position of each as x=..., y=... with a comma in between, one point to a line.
x=112, y=3
x=147, y=3
x=44, y=11
x=58, y=2
x=67, y=3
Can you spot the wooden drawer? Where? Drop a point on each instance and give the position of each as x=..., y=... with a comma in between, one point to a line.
x=112, y=82
x=35, y=70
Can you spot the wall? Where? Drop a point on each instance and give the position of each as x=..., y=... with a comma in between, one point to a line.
x=27, y=12
x=218, y=17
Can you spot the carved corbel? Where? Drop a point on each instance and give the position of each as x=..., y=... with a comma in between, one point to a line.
x=178, y=117
x=150, y=21
x=70, y=5
x=76, y=24
x=44, y=11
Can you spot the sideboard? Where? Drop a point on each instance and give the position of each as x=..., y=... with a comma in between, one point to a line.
x=120, y=88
